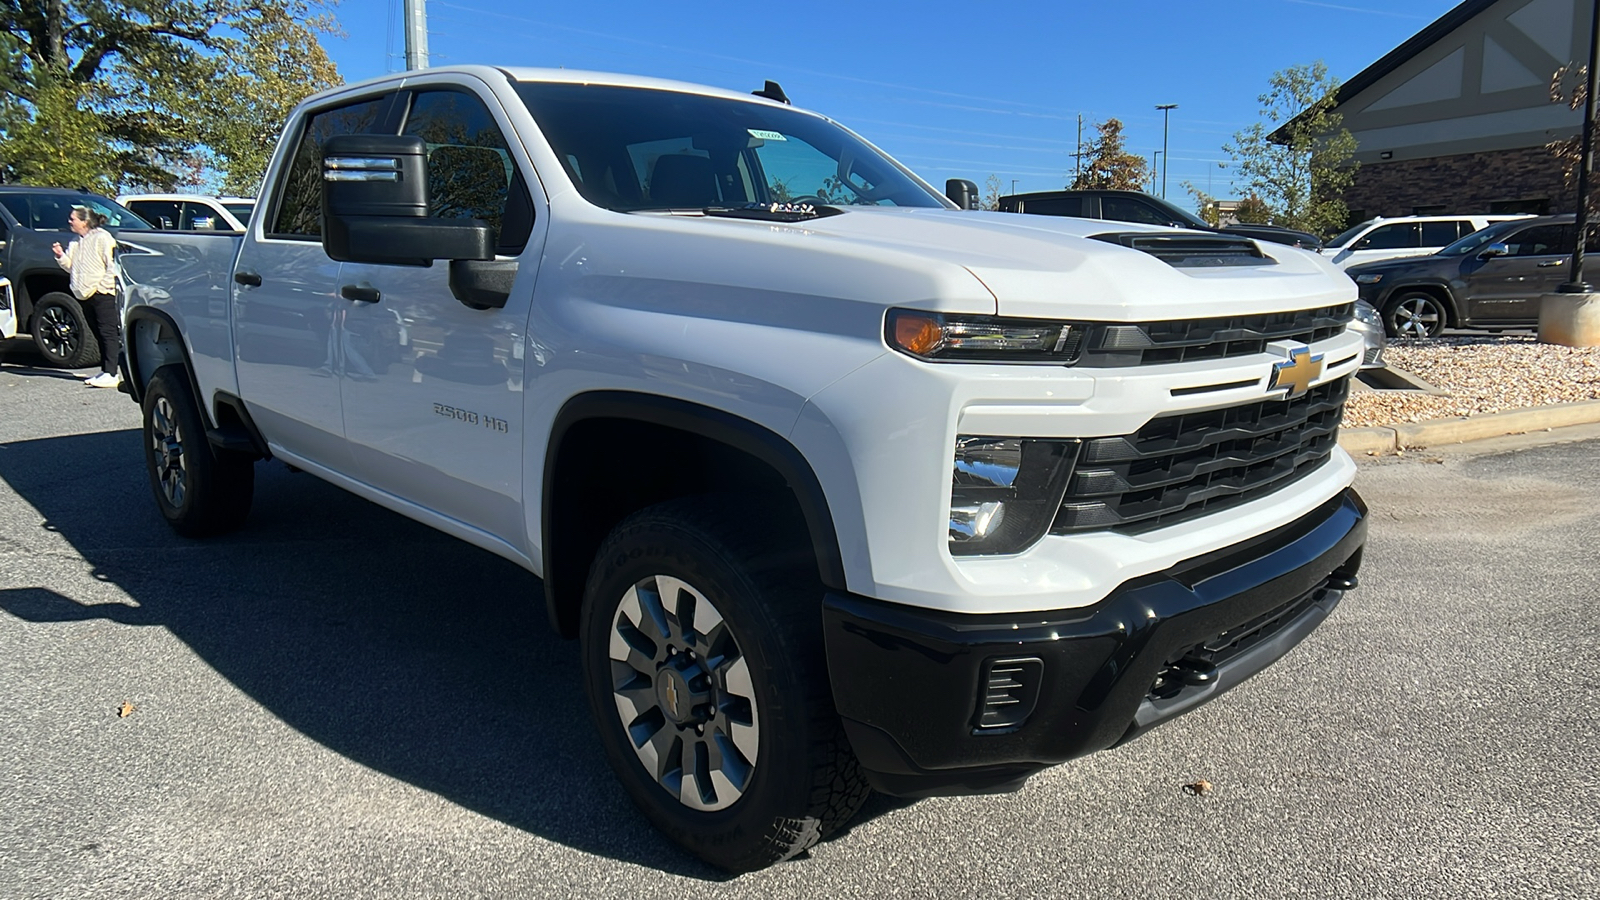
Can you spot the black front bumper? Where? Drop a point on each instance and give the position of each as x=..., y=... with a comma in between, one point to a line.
x=931, y=700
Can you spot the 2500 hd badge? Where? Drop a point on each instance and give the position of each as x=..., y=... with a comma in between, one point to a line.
x=472, y=418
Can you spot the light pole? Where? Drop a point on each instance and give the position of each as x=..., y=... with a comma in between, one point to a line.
x=1585, y=163
x=1166, y=115
x=1154, y=168
x=1013, y=185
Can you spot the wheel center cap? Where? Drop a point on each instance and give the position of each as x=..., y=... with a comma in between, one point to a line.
x=681, y=703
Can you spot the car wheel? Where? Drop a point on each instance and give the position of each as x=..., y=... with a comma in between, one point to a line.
x=201, y=491
x=61, y=332
x=705, y=672
x=1416, y=315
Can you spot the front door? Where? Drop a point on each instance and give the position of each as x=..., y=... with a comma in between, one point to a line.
x=285, y=303
x=432, y=389
x=1506, y=289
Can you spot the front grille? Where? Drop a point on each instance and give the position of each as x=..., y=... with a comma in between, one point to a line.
x=1178, y=467
x=1150, y=343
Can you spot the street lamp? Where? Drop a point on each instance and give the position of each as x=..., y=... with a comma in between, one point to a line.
x=1154, y=168
x=1013, y=185
x=1585, y=163
x=1166, y=115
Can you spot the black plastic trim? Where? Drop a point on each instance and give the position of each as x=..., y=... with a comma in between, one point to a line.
x=130, y=353
x=905, y=679
x=564, y=590
x=243, y=437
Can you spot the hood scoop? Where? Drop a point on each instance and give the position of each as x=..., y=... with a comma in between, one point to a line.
x=1191, y=251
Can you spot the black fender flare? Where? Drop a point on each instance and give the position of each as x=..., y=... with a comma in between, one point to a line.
x=739, y=433
x=241, y=436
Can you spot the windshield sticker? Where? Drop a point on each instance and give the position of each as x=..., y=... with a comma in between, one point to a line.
x=766, y=135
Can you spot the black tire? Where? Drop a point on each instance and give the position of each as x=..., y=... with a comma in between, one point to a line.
x=788, y=777
x=1416, y=314
x=201, y=491
x=61, y=331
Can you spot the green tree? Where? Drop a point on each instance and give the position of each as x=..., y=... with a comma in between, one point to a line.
x=1253, y=210
x=1569, y=86
x=124, y=93
x=1108, y=165
x=1297, y=159
x=1205, y=205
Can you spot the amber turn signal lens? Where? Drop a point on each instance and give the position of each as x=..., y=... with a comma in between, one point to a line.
x=921, y=335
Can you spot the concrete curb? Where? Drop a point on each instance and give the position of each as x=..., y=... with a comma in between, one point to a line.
x=1384, y=439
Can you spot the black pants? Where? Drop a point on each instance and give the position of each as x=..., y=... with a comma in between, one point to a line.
x=107, y=325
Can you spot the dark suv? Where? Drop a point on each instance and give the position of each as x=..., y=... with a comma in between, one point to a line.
x=1133, y=206
x=1494, y=278
x=31, y=219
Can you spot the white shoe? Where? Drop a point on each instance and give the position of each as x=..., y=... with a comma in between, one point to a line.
x=105, y=380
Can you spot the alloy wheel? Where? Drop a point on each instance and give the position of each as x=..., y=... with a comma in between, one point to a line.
x=58, y=333
x=683, y=693
x=166, y=440
x=1418, y=317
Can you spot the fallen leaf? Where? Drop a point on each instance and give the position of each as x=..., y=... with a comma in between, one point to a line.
x=1198, y=789
x=125, y=710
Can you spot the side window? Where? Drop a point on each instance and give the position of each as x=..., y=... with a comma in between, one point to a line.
x=1542, y=240
x=470, y=172
x=17, y=205
x=199, y=217
x=160, y=213
x=1437, y=234
x=1400, y=236
x=1124, y=209
x=300, y=190
x=1066, y=206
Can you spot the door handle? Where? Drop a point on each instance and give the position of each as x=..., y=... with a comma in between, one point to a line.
x=245, y=276
x=1553, y=262
x=364, y=293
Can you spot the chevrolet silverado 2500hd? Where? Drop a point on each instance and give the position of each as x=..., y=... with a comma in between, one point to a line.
x=838, y=486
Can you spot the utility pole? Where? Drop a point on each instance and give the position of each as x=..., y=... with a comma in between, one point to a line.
x=1578, y=284
x=1077, y=154
x=1166, y=113
x=416, y=34
x=1155, y=164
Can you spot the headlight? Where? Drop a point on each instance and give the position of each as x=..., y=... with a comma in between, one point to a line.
x=1005, y=492
x=1368, y=314
x=1368, y=278
x=933, y=336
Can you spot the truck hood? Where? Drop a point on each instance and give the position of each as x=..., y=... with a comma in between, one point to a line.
x=1050, y=267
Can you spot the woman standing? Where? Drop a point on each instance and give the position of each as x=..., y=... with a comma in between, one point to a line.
x=91, y=260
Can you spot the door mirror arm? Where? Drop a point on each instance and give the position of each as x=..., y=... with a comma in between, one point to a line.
x=482, y=283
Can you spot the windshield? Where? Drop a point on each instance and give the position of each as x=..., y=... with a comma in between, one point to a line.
x=632, y=149
x=1346, y=237
x=48, y=210
x=1478, y=239
x=241, y=211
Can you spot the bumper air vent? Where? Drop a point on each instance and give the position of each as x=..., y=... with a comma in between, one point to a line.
x=1008, y=690
x=1191, y=251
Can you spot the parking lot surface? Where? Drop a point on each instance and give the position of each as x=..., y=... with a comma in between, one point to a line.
x=337, y=702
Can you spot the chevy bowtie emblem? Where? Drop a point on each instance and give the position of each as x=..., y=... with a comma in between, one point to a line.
x=672, y=698
x=1296, y=373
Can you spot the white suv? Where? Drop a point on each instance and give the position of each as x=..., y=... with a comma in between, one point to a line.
x=1382, y=238
x=192, y=212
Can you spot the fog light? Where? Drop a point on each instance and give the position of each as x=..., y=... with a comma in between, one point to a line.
x=1004, y=492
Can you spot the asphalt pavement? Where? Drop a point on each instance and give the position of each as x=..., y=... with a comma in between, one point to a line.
x=337, y=702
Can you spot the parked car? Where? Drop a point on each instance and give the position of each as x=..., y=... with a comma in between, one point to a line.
x=1493, y=278
x=1135, y=206
x=1402, y=236
x=31, y=219
x=192, y=212
x=839, y=486
x=1369, y=324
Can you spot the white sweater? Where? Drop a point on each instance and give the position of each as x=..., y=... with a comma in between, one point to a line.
x=91, y=260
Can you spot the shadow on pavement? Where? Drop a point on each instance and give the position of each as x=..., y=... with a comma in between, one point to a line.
x=402, y=649
x=19, y=356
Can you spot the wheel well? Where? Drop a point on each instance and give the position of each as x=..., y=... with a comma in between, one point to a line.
x=34, y=286
x=603, y=469
x=152, y=342
x=1436, y=291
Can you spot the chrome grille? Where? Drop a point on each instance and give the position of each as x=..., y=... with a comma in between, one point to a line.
x=1151, y=343
x=1178, y=467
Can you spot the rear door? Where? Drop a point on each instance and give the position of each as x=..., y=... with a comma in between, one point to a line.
x=1390, y=241
x=286, y=310
x=1506, y=289
x=432, y=389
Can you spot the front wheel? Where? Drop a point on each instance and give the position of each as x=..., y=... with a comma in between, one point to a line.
x=1416, y=314
x=201, y=491
x=61, y=332
x=705, y=672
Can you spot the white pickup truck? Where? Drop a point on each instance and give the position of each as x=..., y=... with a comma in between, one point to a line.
x=839, y=486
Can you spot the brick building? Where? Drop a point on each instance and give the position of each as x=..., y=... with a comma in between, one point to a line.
x=1456, y=119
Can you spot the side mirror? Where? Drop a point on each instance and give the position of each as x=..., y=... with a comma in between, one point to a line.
x=1493, y=250
x=1362, y=244
x=962, y=192
x=375, y=206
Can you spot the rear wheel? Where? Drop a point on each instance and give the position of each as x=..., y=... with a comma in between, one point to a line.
x=201, y=491
x=61, y=332
x=705, y=671
x=1416, y=314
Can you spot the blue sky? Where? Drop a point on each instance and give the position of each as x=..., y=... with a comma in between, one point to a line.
x=951, y=89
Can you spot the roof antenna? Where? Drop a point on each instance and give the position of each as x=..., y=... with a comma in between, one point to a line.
x=773, y=91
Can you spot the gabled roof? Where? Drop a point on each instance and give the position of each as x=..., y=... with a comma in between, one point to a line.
x=1392, y=60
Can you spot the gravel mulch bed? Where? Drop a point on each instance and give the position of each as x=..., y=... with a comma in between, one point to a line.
x=1484, y=374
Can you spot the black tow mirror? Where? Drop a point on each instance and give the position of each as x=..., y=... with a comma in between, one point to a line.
x=962, y=193
x=375, y=206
